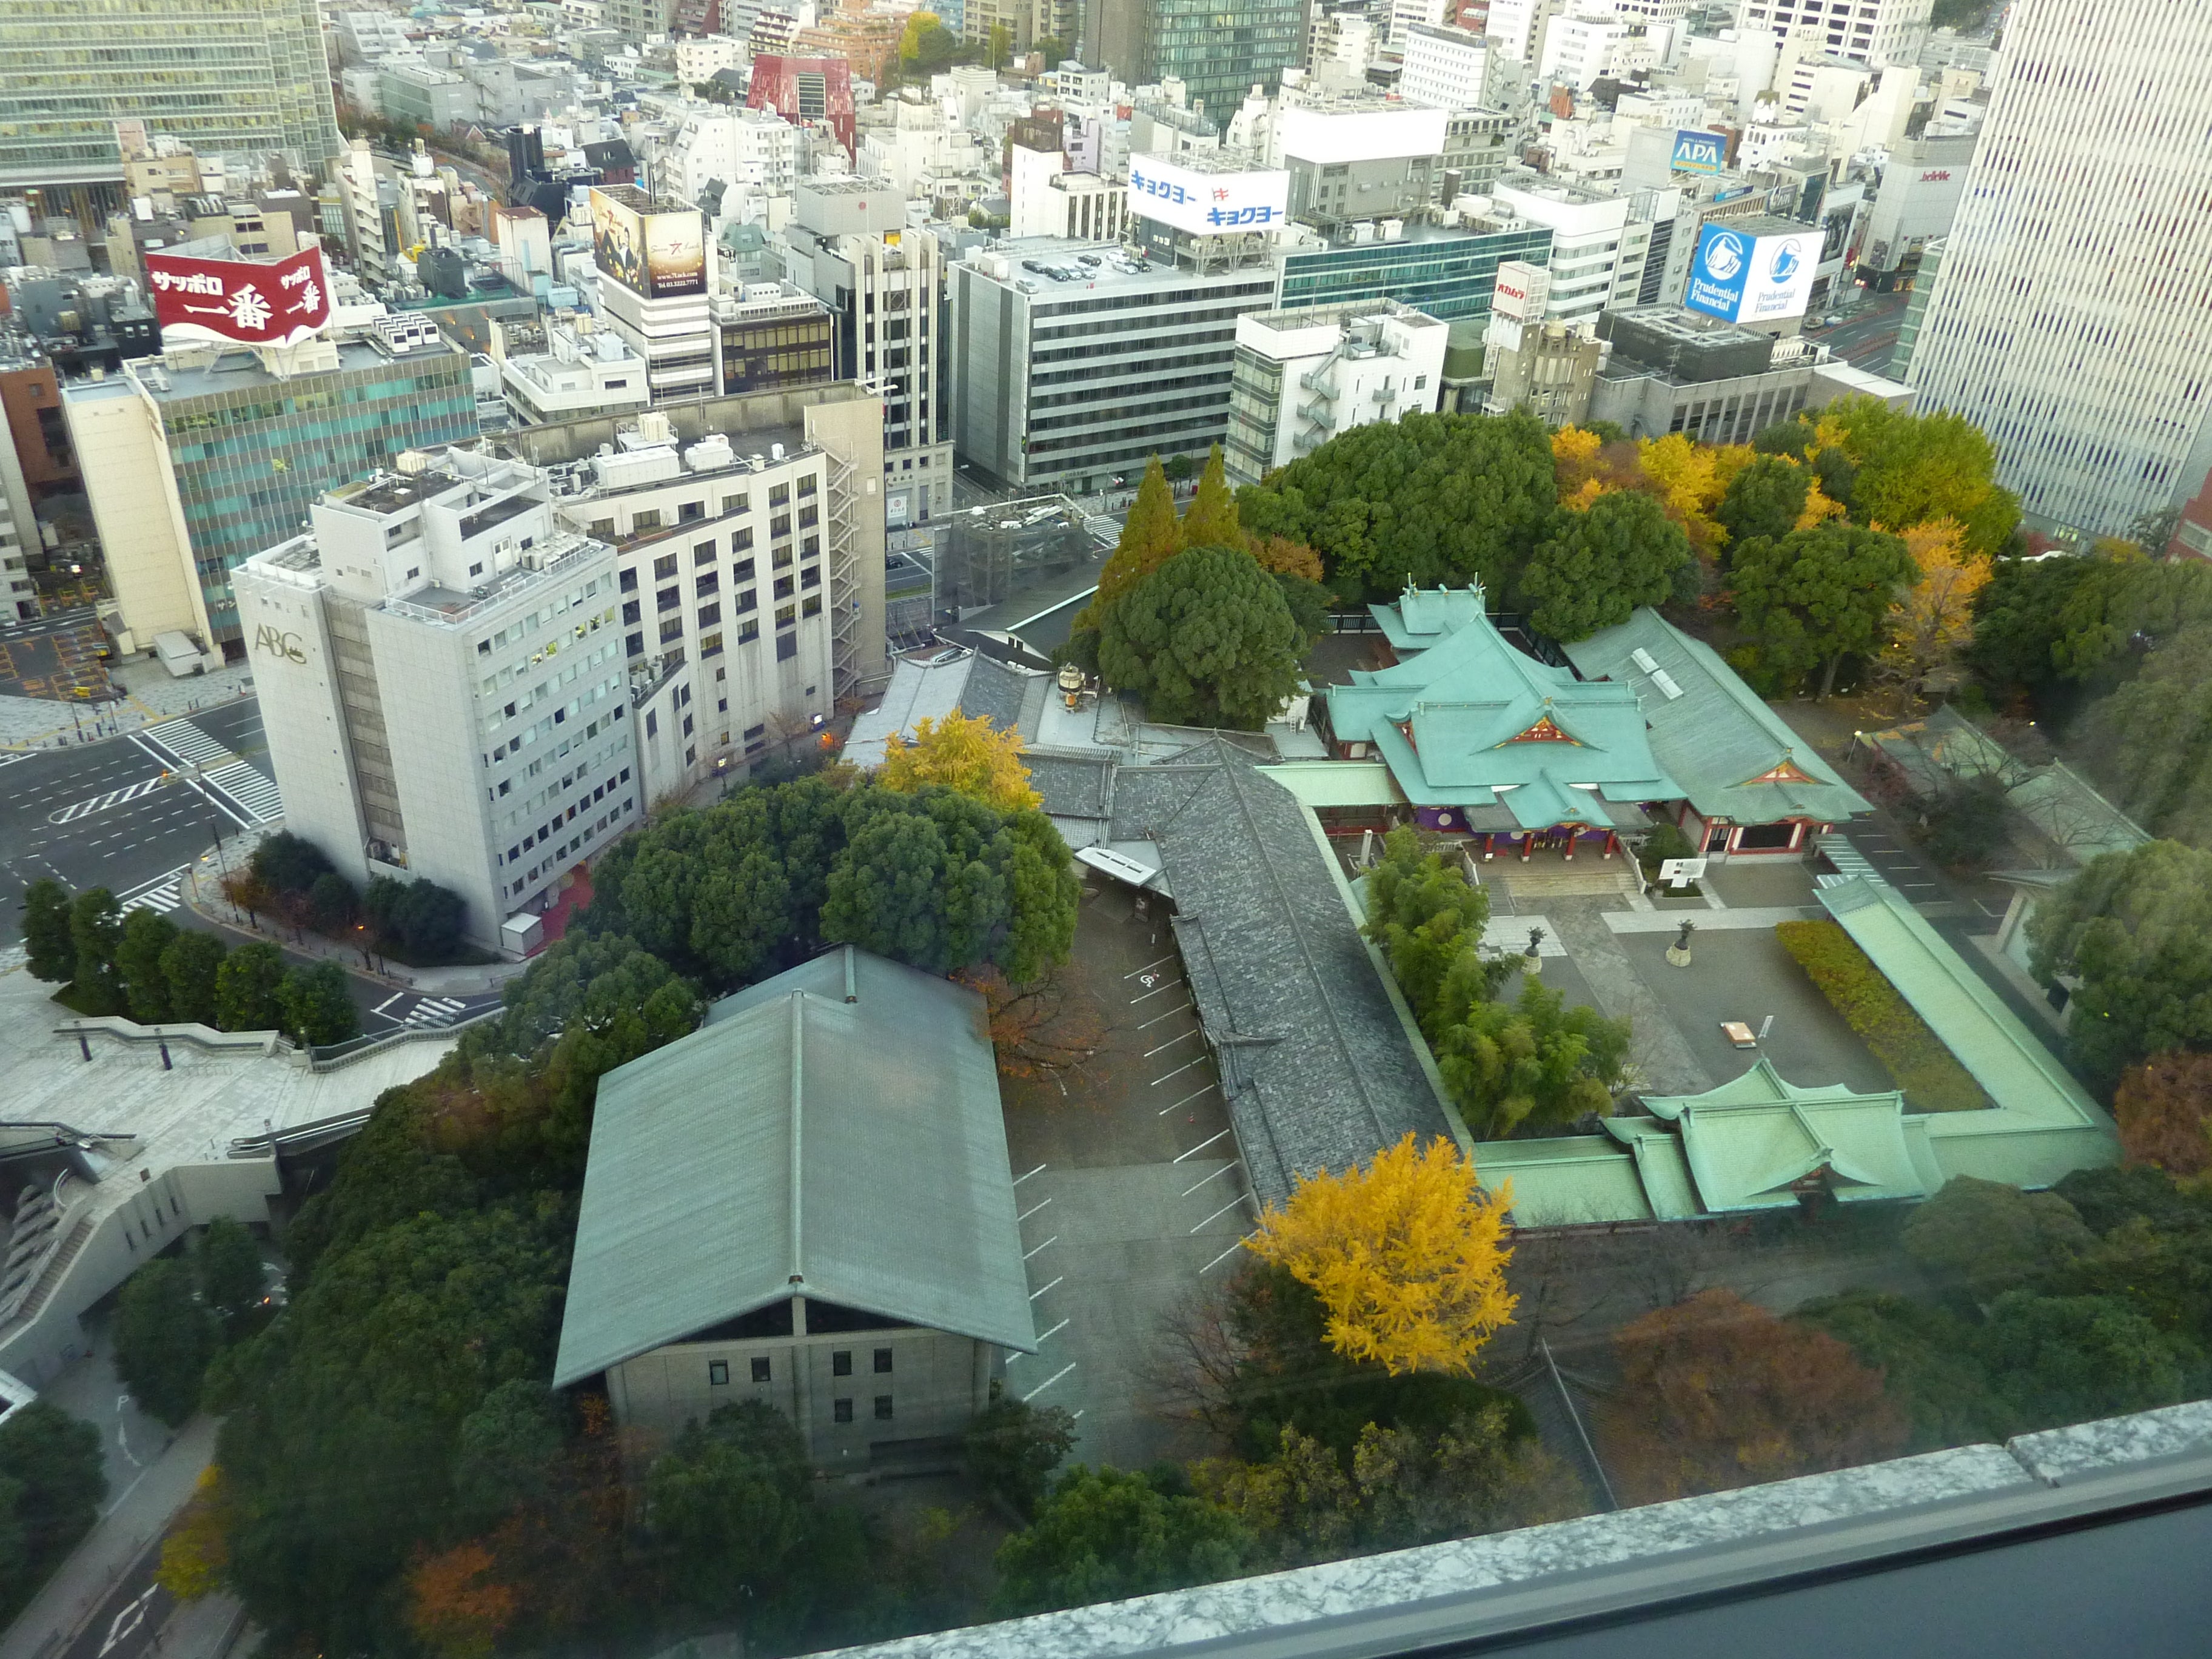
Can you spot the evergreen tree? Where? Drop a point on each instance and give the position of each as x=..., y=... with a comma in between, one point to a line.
x=147, y=936
x=1148, y=540
x=191, y=965
x=48, y=944
x=164, y=1338
x=95, y=932
x=1597, y=566
x=1211, y=519
x=1207, y=639
x=245, y=989
x=318, y=1005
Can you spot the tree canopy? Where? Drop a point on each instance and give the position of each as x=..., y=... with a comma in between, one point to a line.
x=1407, y=1257
x=1593, y=568
x=1211, y=519
x=1430, y=500
x=1207, y=640
x=1991, y=1236
x=964, y=753
x=2136, y=929
x=1913, y=468
x=1105, y=1535
x=49, y=948
x=50, y=1487
x=1814, y=596
x=2164, y=1106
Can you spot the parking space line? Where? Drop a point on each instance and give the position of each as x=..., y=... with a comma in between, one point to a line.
x=1185, y=1101
x=1216, y=1176
x=1200, y=1147
x=1178, y=1072
x=1046, y=1245
x=1170, y=1014
x=1172, y=985
x=1047, y=1383
x=1147, y=968
x=1224, y=1255
x=1232, y=1204
x=1021, y=1178
x=1031, y=1211
x=1042, y=1289
x=1169, y=1043
x=1042, y=1340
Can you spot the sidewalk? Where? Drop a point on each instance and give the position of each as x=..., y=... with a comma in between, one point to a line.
x=134, y=1518
x=151, y=696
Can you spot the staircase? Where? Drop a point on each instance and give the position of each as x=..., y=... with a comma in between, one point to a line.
x=1530, y=886
x=56, y=1270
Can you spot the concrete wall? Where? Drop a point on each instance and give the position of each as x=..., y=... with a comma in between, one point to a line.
x=937, y=1383
x=853, y=433
x=125, y=459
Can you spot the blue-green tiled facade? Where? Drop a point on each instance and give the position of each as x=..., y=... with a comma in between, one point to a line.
x=1448, y=275
x=249, y=461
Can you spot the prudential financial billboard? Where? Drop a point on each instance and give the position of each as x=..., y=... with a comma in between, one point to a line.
x=1744, y=278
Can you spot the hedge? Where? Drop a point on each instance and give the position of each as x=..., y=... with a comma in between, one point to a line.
x=1915, y=1057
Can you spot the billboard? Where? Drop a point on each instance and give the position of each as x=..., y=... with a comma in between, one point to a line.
x=1521, y=291
x=1741, y=277
x=1699, y=152
x=656, y=256
x=279, y=302
x=1206, y=203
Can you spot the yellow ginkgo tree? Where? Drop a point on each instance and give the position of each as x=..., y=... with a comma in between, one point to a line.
x=1407, y=1257
x=1932, y=620
x=969, y=755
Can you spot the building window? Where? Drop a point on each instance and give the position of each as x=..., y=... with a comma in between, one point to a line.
x=703, y=553
x=840, y=1411
x=742, y=571
x=710, y=645
x=883, y=1362
x=648, y=520
x=807, y=486
x=813, y=578
x=668, y=598
x=779, y=524
x=760, y=1371
x=672, y=630
x=746, y=600
x=740, y=540
x=883, y=1408
x=709, y=615
x=630, y=610
x=779, y=495
x=664, y=567
x=786, y=647
x=737, y=503
x=707, y=583
x=841, y=1362
x=809, y=516
x=718, y=1372
x=690, y=511
x=810, y=546
x=748, y=631
x=629, y=581
x=812, y=606
x=783, y=587
x=635, y=644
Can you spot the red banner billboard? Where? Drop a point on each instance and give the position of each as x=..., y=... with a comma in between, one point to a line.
x=240, y=302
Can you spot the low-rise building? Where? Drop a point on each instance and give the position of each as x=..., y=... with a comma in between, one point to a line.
x=774, y=338
x=1673, y=370
x=1302, y=377
x=583, y=371
x=733, y=1242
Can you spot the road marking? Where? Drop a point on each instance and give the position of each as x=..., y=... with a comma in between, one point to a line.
x=1021, y=1178
x=1172, y=985
x=251, y=787
x=127, y=1621
x=84, y=809
x=1042, y=1289
x=434, y=1011
x=1047, y=1383
x=1231, y=1205
x=1216, y=1176
x=1224, y=1255
x=1042, y=1340
x=185, y=739
x=1170, y=1014
x=1031, y=1211
x=1169, y=1043
x=1046, y=1245
x=160, y=900
x=1178, y=1072
x=1147, y=968
x=1185, y=1101
x=1200, y=1147
x=387, y=1002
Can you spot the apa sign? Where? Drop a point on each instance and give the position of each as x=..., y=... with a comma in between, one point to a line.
x=280, y=303
x=1699, y=152
x=1744, y=278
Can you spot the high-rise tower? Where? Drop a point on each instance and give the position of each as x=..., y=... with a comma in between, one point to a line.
x=2072, y=321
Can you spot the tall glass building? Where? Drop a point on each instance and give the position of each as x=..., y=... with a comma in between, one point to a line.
x=234, y=456
x=1221, y=50
x=1446, y=272
x=228, y=77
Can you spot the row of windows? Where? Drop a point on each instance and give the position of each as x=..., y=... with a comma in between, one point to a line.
x=841, y=1360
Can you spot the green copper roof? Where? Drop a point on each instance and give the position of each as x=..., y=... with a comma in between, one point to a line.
x=834, y=1132
x=1733, y=756
x=1471, y=721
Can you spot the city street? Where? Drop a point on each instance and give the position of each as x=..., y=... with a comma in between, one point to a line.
x=1868, y=334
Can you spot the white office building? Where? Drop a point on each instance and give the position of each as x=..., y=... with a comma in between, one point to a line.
x=1443, y=68
x=661, y=313
x=443, y=684
x=1877, y=32
x=1602, y=239
x=1302, y=377
x=584, y=370
x=2070, y=320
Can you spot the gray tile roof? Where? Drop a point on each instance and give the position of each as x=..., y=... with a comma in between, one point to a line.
x=995, y=691
x=1074, y=786
x=1319, y=1071
x=835, y=1130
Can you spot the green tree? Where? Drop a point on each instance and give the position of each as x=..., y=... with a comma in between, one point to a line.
x=318, y=1005
x=331, y=903
x=508, y=1449
x=1916, y=468
x=2135, y=927
x=226, y=1266
x=51, y=1488
x=1426, y=916
x=1430, y=500
x=288, y=863
x=147, y=936
x=1991, y=1236
x=1104, y=1534
x=1210, y=520
x=1206, y=640
x=2062, y=1359
x=246, y=990
x=164, y=1338
x=50, y=948
x=2150, y=739
x=998, y=50
x=1534, y=1061
x=95, y=935
x=192, y=964
x=1596, y=566
x=1930, y=1362
x=1150, y=538
x=1816, y=596
x=1011, y=1449
x=1765, y=499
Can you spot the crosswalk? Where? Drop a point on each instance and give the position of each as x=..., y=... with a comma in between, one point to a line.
x=185, y=739
x=434, y=1012
x=251, y=787
x=161, y=900
x=83, y=809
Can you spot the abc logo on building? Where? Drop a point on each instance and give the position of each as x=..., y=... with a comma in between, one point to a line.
x=1725, y=257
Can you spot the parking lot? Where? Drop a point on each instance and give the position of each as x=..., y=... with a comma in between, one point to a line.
x=1126, y=1179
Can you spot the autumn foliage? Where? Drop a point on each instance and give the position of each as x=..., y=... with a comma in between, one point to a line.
x=196, y=1551
x=969, y=755
x=455, y=1604
x=1716, y=1393
x=1406, y=1256
x=1932, y=620
x=2163, y=1106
